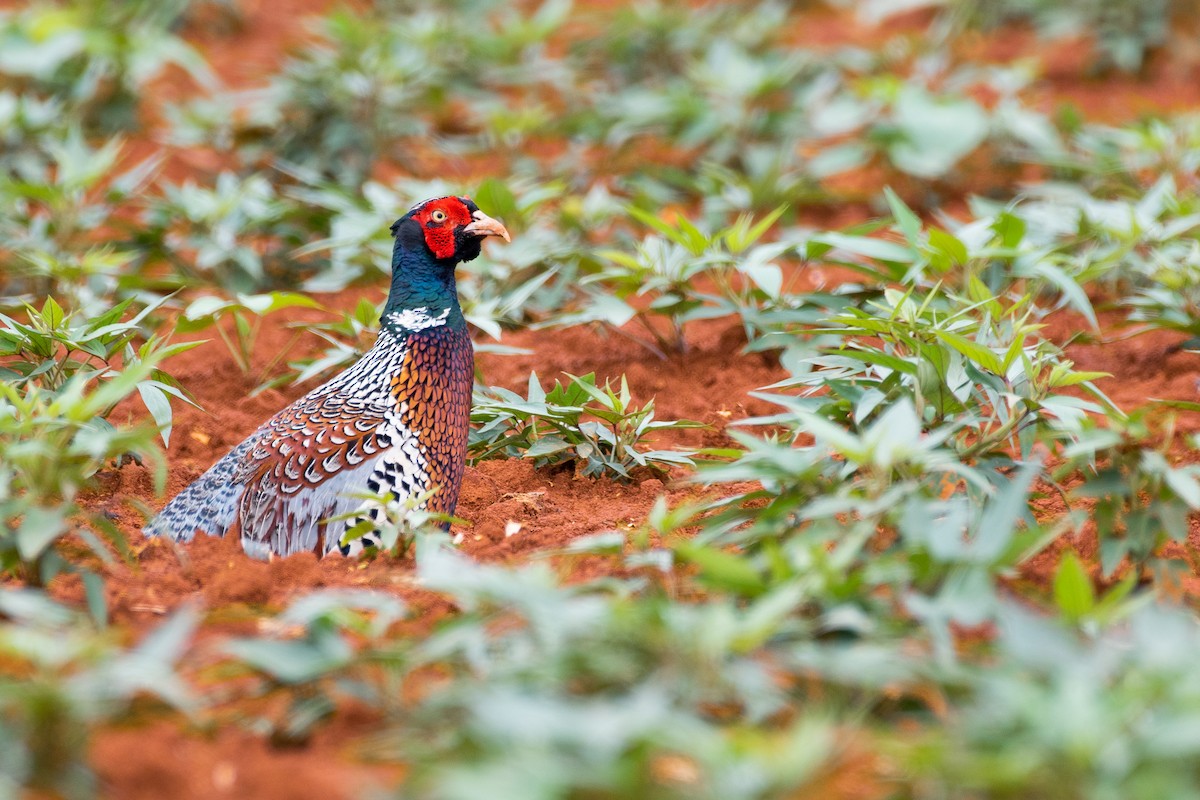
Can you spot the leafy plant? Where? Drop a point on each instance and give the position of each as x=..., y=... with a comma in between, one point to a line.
x=1142, y=497
x=239, y=233
x=323, y=662
x=57, y=198
x=669, y=269
x=598, y=429
x=61, y=378
x=397, y=524
x=348, y=98
x=246, y=313
x=51, y=446
x=93, y=58
x=62, y=679
x=1124, y=32
x=1079, y=602
x=1116, y=160
x=861, y=519
x=349, y=337
x=917, y=480
x=54, y=347
x=926, y=135
x=591, y=689
x=978, y=366
x=1013, y=734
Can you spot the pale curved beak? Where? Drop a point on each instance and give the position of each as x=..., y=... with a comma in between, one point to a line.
x=484, y=225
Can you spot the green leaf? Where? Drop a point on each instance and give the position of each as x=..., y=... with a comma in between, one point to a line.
x=1111, y=604
x=651, y=221
x=97, y=603
x=868, y=246
x=497, y=200
x=1006, y=510
x=721, y=569
x=263, y=304
x=981, y=355
x=935, y=132
x=1073, y=378
x=879, y=358
x=1073, y=591
x=597, y=394
x=978, y=292
x=292, y=661
x=908, y=222
x=1009, y=229
x=743, y=233
x=205, y=308
x=1074, y=293
x=949, y=246
x=536, y=393
x=159, y=407
x=1185, y=485
x=38, y=530
x=52, y=313
x=546, y=446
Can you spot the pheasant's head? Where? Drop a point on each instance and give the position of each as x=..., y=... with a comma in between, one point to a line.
x=451, y=229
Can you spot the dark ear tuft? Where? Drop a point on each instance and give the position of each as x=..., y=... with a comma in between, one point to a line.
x=408, y=234
x=396, y=226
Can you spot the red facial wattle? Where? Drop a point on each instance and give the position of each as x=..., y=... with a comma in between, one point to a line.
x=445, y=221
x=440, y=220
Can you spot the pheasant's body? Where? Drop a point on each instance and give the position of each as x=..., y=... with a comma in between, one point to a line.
x=394, y=423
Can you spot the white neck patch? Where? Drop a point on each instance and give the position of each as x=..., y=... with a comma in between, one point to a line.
x=418, y=319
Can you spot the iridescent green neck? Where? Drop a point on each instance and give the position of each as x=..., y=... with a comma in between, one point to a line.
x=423, y=293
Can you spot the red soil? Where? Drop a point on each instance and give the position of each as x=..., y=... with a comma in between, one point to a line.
x=161, y=759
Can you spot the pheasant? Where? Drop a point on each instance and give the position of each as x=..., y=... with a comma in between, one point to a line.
x=393, y=423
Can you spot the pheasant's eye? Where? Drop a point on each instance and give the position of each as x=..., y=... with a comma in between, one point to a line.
x=438, y=215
